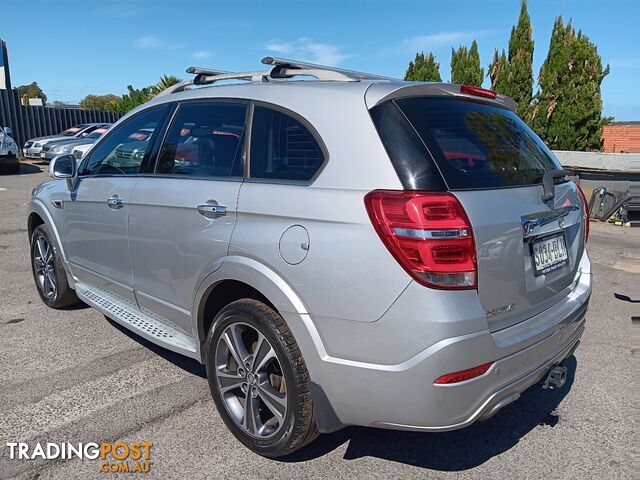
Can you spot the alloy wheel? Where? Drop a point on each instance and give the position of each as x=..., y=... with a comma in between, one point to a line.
x=44, y=263
x=250, y=380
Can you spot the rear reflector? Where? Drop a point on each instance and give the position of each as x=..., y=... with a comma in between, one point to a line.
x=468, y=374
x=586, y=213
x=428, y=233
x=477, y=91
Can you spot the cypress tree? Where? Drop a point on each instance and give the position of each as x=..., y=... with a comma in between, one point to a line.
x=423, y=69
x=465, y=66
x=499, y=72
x=513, y=75
x=567, y=111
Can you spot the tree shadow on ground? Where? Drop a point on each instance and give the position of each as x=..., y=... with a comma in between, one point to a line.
x=450, y=451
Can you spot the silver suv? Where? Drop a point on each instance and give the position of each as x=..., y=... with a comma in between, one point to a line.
x=348, y=250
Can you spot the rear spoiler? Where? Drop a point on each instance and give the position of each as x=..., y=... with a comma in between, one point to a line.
x=380, y=92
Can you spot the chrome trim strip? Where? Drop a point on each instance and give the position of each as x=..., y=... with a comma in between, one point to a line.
x=532, y=221
x=431, y=234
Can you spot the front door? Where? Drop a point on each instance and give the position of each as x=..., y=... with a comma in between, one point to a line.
x=97, y=211
x=182, y=217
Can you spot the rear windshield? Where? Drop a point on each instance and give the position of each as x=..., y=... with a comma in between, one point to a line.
x=474, y=145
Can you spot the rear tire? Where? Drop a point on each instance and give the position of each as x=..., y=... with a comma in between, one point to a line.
x=254, y=365
x=48, y=271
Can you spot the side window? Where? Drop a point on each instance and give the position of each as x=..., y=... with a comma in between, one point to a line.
x=205, y=139
x=123, y=151
x=282, y=148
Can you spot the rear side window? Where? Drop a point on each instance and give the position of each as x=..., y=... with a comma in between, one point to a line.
x=282, y=148
x=205, y=139
x=476, y=145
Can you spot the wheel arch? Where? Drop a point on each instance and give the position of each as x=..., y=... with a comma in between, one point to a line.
x=240, y=277
x=34, y=221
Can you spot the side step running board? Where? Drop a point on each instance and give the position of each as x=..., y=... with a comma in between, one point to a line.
x=147, y=326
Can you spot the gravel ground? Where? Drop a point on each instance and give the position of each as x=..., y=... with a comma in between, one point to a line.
x=75, y=376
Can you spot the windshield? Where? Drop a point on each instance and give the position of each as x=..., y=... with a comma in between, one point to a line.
x=70, y=132
x=476, y=145
x=96, y=133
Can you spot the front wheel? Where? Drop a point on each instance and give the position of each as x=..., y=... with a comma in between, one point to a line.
x=48, y=271
x=259, y=380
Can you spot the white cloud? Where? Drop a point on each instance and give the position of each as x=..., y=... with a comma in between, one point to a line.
x=306, y=49
x=449, y=39
x=201, y=54
x=149, y=41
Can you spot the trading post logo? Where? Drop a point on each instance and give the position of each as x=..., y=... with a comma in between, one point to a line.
x=115, y=457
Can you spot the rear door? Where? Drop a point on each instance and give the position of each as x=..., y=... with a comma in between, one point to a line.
x=528, y=249
x=182, y=216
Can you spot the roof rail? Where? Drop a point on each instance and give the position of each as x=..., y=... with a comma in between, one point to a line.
x=282, y=69
x=283, y=63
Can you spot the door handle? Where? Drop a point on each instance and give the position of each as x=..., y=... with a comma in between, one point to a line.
x=115, y=202
x=210, y=210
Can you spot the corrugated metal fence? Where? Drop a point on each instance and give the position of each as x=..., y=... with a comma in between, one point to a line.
x=30, y=122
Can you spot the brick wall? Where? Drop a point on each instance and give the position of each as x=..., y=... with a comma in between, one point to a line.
x=622, y=138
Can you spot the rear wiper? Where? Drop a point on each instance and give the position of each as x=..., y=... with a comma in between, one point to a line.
x=549, y=184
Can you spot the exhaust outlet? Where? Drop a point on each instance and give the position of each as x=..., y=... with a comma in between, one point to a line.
x=556, y=377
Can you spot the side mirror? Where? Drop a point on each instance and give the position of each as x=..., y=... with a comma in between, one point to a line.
x=8, y=131
x=64, y=166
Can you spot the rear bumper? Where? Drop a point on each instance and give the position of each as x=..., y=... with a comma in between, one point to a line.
x=508, y=394
x=404, y=395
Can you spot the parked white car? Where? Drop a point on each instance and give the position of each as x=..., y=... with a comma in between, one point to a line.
x=82, y=146
x=8, y=152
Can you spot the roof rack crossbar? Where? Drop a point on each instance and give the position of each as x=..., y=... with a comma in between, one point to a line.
x=299, y=65
x=206, y=71
x=206, y=79
x=282, y=69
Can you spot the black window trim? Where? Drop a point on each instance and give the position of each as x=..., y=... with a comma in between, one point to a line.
x=306, y=124
x=164, y=124
x=176, y=106
x=147, y=161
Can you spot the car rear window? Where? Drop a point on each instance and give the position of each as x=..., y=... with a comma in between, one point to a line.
x=474, y=145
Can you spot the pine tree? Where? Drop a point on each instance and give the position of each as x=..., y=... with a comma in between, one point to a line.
x=567, y=111
x=465, y=66
x=513, y=75
x=423, y=69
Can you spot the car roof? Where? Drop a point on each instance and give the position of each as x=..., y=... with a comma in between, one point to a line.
x=295, y=94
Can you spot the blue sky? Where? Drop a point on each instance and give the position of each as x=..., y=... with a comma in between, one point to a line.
x=75, y=48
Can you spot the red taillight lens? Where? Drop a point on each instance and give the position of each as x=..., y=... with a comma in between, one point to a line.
x=467, y=374
x=477, y=91
x=428, y=233
x=586, y=213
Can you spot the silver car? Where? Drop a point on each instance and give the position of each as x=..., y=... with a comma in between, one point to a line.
x=54, y=148
x=349, y=250
x=33, y=147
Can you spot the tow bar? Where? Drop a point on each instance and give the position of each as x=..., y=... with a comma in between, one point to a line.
x=556, y=378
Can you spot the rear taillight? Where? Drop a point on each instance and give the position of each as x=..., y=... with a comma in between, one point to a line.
x=428, y=233
x=467, y=374
x=477, y=91
x=586, y=213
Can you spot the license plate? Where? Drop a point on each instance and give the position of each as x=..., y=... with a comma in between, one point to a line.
x=549, y=254
x=42, y=155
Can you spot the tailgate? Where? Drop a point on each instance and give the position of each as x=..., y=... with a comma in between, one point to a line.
x=512, y=226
